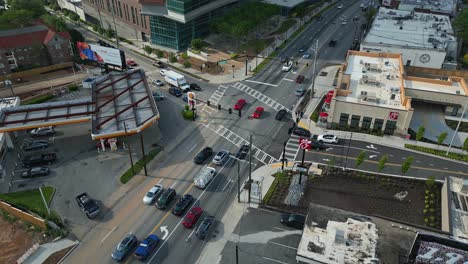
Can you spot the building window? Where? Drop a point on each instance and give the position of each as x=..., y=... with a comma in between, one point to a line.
x=57, y=46
x=133, y=14
x=408, y=63
x=392, y=97
x=120, y=10
x=455, y=111
x=344, y=120
x=20, y=58
x=378, y=124
x=390, y=127
x=366, y=122
x=355, y=121
x=126, y=12
x=108, y=6
x=2, y=65
x=143, y=21
x=136, y=16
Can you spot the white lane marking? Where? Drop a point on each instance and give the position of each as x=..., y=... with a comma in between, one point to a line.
x=224, y=188
x=371, y=146
x=173, y=185
x=191, y=233
x=279, y=228
x=190, y=150
x=160, y=181
x=281, y=245
x=165, y=231
x=270, y=70
x=418, y=161
x=445, y=168
x=326, y=160
x=431, y=165
x=286, y=79
x=343, y=146
x=372, y=156
x=112, y=230
x=274, y=260
x=274, y=85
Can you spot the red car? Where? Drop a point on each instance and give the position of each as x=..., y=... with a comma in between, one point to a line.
x=131, y=63
x=258, y=112
x=300, y=79
x=192, y=217
x=240, y=103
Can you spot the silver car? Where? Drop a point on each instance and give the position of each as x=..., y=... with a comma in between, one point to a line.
x=300, y=91
x=221, y=157
x=42, y=131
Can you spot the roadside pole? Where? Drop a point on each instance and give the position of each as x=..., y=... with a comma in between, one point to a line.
x=237, y=254
x=284, y=155
x=238, y=180
x=302, y=165
x=43, y=199
x=115, y=25
x=250, y=167
x=456, y=130
x=143, y=153
x=129, y=150
x=347, y=151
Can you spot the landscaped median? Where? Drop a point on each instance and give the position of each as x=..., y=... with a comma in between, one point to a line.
x=128, y=175
x=438, y=152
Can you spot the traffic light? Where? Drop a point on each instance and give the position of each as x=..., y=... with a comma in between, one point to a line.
x=219, y=107
x=208, y=103
x=240, y=114
x=230, y=111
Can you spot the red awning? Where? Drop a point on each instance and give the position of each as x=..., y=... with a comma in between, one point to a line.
x=328, y=100
x=331, y=92
x=323, y=114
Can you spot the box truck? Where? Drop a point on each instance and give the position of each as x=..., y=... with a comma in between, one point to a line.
x=177, y=80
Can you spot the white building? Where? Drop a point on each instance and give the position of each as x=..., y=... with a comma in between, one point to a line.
x=424, y=40
x=446, y=7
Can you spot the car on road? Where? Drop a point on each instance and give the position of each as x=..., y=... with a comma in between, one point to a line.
x=195, y=87
x=185, y=98
x=283, y=59
x=300, y=91
x=35, y=172
x=317, y=145
x=281, y=114
x=203, y=155
x=166, y=198
x=221, y=157
x=157, y=82
x=158, y=64
x=302, y=49
x=306, y=55
x=42, y=131
x=192, y=217
x=299, y=131
x=35, y=145
x=146, y=247
x=152, y=194
x=131, y=63
x=332, y=43
x=124, y=247
x=88, y=205
x=204, y=177
x=158, y=96
x=175, y=91
x=300, y=78
x=243, y=151
x=240, y=104
x=204, y=227
x=293, y=220
x=258, y=112
x=327, y=138
x=182, y=205
x=162, y=72
x=344, y=22
x=320, y=18
x=340, y=6
x=287, y=66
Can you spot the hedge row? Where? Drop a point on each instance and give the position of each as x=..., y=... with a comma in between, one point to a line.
x=442, y=153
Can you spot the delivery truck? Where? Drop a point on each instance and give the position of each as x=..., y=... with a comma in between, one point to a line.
x=177, y=80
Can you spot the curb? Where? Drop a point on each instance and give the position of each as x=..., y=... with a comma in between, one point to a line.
x=69, y=252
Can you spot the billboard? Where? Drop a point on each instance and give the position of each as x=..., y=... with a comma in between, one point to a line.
x=99, y=54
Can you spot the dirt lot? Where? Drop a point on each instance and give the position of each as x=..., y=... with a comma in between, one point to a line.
x=363, y=193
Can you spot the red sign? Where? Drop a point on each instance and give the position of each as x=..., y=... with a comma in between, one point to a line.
x=393, y=116
x=305, y=143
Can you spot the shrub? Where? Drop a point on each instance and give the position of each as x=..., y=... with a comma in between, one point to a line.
x=72, y=87
x=455, y=156
x=197, y=44
x=100, y=30
x=40, y=99
x=138, y=166
x=233, y=55
x=314, y=116
x=173, y=59
x=95, y=27
x=159, y=53
x=187, y=114
x=148, y=49
x=187, y=64
x=184, y=56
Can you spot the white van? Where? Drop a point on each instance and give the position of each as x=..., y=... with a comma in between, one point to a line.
x=204, y=177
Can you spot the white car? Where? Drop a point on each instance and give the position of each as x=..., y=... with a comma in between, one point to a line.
x=287, y=66
x=162, y=72
x=204, y=177
x=152, y=194
x=340, y=6
x=327, y=138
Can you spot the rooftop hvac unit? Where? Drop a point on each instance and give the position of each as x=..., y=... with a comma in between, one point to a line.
x=457, y=91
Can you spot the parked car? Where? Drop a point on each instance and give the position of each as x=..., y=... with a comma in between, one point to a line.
x=287, y=66
x=195, y=87
x=182, y=205
x=300, y=78
x=204, y=227
x=281, y=114
x=162, y=72
x=40, y=159
x=175, y=91
x=300, y=91
x=243, y=151
x=124, y=247
x=158, y=96
x=293, y=220
x=192, y=217
x=165, y=198
x=328, y=138
x=258, y=112
x=332, y=43
x=42, y=131
x=320, y=18
x=221, y=157
x=158, y=64
x=157, y=82
x=340, y=6
x=88, y=205
x=317, y=145
x=299, y=131
x=146, y=247
x=152, y=194
x=35, y=172
x=302, y=49
x=131, y=63
x=204, y=177
x=306, y=55
x=36, y=145
x=240, y=104
x=203, y=155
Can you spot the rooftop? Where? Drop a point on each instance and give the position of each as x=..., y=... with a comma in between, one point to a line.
x=459, y=188
x=443, y=6
x=374, y=79
x=447, y=87
x=411, y=29
x=38, y=33
x=7, y=103
x=435, y=249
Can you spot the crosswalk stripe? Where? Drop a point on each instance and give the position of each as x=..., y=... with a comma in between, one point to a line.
x=261, y=97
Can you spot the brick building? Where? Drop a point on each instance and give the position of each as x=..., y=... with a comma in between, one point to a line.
x=36, y=45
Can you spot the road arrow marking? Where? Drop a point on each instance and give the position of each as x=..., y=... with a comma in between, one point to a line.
x=371, y=147
x=372, y=156
x=165, y=231
x=328, y=149
x=326, y=160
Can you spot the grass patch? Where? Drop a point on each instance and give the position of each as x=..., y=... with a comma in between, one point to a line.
x=454, y=156
x=280, y=177
x=265, y=62
x=287, y=24
x=39, y=99
x=32, y=200
x=188, y=115
x=138, y=166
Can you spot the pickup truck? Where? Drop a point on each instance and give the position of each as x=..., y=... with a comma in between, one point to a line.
x=38, y=160
x=88, y=205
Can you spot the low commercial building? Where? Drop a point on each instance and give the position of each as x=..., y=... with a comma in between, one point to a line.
x=455, y=203
x=424, y=40
x=444, y=7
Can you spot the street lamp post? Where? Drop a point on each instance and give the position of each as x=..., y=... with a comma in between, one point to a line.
x=233, y=71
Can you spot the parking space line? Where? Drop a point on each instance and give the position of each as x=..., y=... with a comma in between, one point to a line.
x=281, y=245
x=173, y=185
x=279, y=228
x=112, y=230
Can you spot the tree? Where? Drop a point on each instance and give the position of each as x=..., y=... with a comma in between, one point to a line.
x=360, y=158
x=187, y=64
x=148, y=49
x=465, y=145
x=36, y=7
x=54, y=22
x=173, y=58
x=420, y=133
x=441, y=138
x=371, y=12
x=430, y=182
x=159, y=53
x=17, y=18
x=197, y=44
x=382, y=161
x=75, y=35
x=406, y=164
x=461, y=25
x=185, y=56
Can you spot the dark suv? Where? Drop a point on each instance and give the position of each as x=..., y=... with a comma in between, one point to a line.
x=166, y=198
x=125, y=247
x=195, y=87
x=182, y=205
x=332, y=43
x=293, y=220
x=204, y=227
x=203, y=155
x=299, y=131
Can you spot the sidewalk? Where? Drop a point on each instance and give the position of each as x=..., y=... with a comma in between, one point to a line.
x=39, y=254
x=323, y=84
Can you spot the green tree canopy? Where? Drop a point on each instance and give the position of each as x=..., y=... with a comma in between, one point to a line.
x=197, y=44
x=16, y=18
x=54, y=22
x=461, y=25
x=420, y=133
x=465, y=144
x=441, y=138
x=34, y=6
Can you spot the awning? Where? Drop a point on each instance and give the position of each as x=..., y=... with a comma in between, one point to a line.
x=328, y=100
x=330, y=93
x=323, y=114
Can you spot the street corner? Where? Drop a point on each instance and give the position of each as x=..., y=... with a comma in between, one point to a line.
x=303, y=124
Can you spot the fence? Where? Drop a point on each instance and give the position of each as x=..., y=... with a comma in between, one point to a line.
x=23, y=215
x=33, y=72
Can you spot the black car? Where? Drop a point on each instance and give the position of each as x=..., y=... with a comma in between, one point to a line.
x=332, y=43
x=166, y=198
x=299, y=131
x=203, y=155
x=317, y=145
x=293, y=220
x=125, y=247
x=302, y=49
x=281, y=114
x=182, y=205
x=35, y=172
x=36, y=145
x=283, y=59
x=175, y=91
x=204, y=227
x=195, y=87
x=243, y=151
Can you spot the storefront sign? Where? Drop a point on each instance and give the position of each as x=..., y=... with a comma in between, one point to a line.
x=393, y=116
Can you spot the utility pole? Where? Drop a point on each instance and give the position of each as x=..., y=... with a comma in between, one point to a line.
x=284, y=155
x=233, y=71
x=115, y=25
x=347, y=151
x=246, y=63
x=302, y=165
x=43, y=199
x=143, y=152
x=250, y=166
x=456, y=130
x=238, y=180
x=99, y=12
x=129, y=150
x=237, y=254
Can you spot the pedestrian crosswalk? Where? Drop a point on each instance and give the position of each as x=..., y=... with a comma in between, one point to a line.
x=214, y=99
x=292, y=148
x=260, y=96
x=237, y=140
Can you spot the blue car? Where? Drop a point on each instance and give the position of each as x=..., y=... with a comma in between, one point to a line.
x=146, y=247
